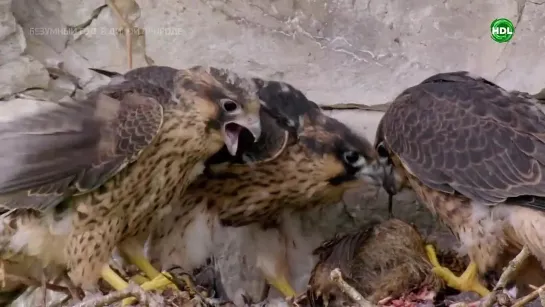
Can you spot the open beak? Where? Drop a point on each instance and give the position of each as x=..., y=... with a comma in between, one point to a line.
x=231, y=131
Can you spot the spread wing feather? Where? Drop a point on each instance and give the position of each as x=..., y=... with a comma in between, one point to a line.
x=458, y=133
x=68, y=148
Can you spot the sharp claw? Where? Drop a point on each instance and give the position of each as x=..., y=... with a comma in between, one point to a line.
x=468, y=281
x=185, y=280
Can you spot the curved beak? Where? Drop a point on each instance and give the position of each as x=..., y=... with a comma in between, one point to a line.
x=231, y=131
x=390, y=183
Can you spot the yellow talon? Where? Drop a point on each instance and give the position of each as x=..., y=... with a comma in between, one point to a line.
x=118, y=283
x=134, y=256
x=282, y=285
x=139, y=279
x=468, y=281
x=113, y=279
x=160, y=282
x=192, y=289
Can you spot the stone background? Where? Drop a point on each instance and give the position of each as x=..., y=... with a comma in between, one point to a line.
x=336, y=51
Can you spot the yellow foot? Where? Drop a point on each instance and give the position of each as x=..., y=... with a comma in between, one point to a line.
x=282, y=285
x=160, y=282
x=155, y=277
x=468, y=281
x=189, y=284
x=118, y=283
x=113, y=279
x=139, y=279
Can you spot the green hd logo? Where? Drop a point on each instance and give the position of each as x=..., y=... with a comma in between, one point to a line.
x=502, y=30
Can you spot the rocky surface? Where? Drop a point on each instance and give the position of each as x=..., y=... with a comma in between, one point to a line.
x=336, y=51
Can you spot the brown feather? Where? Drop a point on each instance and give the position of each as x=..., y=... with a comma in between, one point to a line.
x=474, y=154
x=144, y=145
x=462, y=134
x=73, y=148
x=309, y=173
x=379, y=260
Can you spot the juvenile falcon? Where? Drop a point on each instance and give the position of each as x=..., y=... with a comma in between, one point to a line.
x=79, y=179
x=319, y=163
x=475, y=155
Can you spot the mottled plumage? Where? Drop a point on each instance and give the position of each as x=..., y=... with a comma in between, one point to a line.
x=80, y=179
x=321, y=161
x=475, y=155
x=379, y=260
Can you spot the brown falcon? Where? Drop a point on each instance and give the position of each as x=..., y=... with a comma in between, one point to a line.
x=320, y=161
x=80, y=179
x=381, y=259
x=475, y=155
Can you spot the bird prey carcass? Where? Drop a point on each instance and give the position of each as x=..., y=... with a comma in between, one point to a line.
x=475, y=155
x=322, y=159
x=380, y=260
x=79, y=179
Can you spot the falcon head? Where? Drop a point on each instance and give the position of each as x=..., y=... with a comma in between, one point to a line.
x=229, y=102
x=282, y=107
x=391, y=181
x=346, y=157
x=319, y=162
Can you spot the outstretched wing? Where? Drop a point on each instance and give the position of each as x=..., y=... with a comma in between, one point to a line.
x=458, y=133
x=67, y=148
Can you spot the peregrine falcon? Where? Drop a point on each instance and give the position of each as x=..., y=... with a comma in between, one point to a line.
x=79, y=179
x=322, y=159
x=474, y=154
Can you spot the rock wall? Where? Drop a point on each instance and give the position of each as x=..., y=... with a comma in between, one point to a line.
x=336, y=51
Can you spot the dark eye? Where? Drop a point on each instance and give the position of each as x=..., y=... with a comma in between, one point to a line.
x=229, y=105
x=381, y=150
x=351, y=157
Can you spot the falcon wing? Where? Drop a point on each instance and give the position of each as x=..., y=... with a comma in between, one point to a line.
x=457, y=133
x=160, y=76
x=64, y=149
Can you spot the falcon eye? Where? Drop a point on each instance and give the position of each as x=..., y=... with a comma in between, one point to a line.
x=229, y=105
x=351, y=157
x=381, y=150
